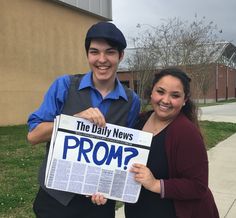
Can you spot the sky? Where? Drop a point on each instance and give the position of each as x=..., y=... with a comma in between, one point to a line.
x=127, y=14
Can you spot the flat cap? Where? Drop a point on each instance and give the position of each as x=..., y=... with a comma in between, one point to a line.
x=106, y=30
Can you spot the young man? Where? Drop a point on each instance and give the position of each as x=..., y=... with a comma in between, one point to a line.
x=97, y=96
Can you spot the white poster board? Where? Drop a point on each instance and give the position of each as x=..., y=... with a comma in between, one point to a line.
x=86, y=159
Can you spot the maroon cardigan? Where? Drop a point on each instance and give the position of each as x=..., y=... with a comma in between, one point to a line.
x=188, y=171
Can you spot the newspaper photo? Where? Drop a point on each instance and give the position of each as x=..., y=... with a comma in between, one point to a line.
x=86, y=159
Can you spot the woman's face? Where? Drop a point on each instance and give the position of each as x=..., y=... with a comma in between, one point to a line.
x=167, y=97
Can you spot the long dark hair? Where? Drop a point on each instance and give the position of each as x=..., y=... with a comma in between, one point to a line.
x=189, y=109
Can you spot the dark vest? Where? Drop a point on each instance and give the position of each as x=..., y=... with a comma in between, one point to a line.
x=77, y=101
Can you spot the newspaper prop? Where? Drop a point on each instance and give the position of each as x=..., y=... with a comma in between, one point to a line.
x=85, y=158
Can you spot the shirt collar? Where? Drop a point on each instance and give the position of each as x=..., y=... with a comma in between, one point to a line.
x=119, y=91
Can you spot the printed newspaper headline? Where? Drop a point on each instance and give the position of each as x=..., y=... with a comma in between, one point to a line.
x=86, y=159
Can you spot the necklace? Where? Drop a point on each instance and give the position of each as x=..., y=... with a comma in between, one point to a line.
x=155, y=125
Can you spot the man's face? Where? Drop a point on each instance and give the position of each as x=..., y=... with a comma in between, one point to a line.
x=103, y=60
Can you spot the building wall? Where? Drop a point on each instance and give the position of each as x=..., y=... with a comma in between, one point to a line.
x=231, y=83
x=219, y=89
x=211, y=95
x=127, y=78
x=100, y=8
x=221, y=82
x=39, y=40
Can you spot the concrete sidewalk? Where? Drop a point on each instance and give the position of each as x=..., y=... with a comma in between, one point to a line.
x=222, y=176
x=222, y=161
x=222, y=168
x=219, y=113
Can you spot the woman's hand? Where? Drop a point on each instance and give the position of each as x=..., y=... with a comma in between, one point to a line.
x=98, y=199
x=144, y=176
x=94, y=115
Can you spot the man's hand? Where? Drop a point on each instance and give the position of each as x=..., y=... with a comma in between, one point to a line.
x=94, y=115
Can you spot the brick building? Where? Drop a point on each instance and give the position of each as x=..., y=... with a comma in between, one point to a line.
x=222, y=71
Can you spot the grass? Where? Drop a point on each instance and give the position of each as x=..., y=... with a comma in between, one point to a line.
x=214, y=132
x=19, y=168
x=20, y=162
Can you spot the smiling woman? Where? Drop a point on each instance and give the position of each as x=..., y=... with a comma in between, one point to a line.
x=175, y=180
x=167, y=99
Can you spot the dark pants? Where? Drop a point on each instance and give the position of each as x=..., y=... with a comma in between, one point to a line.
x=80, y=206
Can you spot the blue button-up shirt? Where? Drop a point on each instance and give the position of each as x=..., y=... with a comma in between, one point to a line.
x=54, y=100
